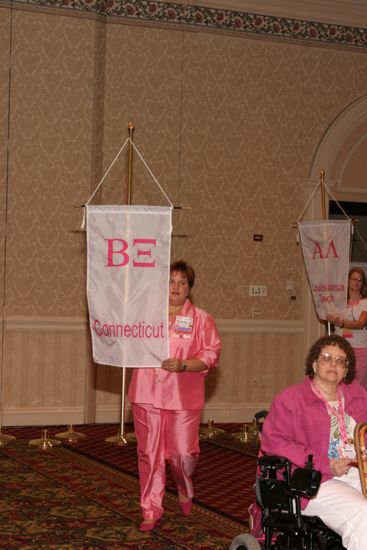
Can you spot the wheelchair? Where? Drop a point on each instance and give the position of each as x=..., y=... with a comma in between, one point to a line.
x=282, y=526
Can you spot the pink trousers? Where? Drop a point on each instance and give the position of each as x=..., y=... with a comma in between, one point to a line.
x=165, y=435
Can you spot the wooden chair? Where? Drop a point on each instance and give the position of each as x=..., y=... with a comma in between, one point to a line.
x=361, y=452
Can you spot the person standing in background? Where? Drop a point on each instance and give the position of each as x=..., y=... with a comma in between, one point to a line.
x=167, y=402
x=351, y=324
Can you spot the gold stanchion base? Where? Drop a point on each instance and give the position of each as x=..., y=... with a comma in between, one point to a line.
x=243, y=435
x=249, y=433
x=5, y=439
x=71, y=435
x=210, y=432
x=44, y=442
x=121, y=439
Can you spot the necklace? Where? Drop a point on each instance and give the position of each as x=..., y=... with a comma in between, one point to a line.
x=327, y=392
x=324, y=391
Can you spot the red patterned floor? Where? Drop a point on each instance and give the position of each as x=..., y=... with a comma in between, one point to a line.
x=223, y=479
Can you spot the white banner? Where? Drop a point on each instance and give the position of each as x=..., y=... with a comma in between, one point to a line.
x=127, y=283
x=326, y=246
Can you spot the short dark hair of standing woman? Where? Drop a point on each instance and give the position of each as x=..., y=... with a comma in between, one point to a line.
x=362, y=275
x=185, y=268
x=332, y=340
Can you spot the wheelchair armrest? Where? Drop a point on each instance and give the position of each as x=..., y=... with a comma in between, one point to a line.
x=305, y=482
x=301, y=482
x=273, y=461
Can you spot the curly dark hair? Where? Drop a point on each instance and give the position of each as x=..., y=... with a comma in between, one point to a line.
x=186, y=269
x=332, y=340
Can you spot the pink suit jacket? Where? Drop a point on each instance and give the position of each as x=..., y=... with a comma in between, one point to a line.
x=298, y=424
x=182, y=390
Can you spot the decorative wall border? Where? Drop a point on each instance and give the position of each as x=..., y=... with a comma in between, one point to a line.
x=206, y=18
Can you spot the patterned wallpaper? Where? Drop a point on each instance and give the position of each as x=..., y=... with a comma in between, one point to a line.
x=51, y=115
x=228, y=126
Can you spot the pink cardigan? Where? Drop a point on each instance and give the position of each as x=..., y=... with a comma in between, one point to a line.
x=298, y=424
x=183, y=390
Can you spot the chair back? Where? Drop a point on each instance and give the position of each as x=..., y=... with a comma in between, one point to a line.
x=360, y=446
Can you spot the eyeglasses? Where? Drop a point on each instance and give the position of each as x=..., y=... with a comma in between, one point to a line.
x=328, y=358
x=356, y=280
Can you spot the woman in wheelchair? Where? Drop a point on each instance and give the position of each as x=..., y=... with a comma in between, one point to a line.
x=318, y=418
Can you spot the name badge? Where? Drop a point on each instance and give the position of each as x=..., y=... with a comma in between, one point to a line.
x=349, y=450
x=183, y=326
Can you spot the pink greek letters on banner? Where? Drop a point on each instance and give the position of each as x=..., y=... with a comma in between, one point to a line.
x=325, y=247
x=113, y=249
x=127, y=284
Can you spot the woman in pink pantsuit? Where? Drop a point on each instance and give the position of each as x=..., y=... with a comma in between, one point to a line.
x=167, y=402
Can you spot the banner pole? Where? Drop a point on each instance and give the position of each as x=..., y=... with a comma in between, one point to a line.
x=122, y=439
x=323, y=210
x=4, y=439
x=130, y=128
x=323, y=201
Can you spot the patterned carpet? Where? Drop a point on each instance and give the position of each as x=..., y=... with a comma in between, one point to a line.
x=85, y=494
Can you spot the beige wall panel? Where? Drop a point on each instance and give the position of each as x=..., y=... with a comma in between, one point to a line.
x=45, y=373
x=255, y=364
x=109, y=388
x=246, y=382
x=51, y=143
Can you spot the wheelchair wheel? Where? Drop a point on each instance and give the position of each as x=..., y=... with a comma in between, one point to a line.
x=245, y=542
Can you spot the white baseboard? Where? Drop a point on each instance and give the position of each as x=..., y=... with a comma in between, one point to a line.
x=222, y=413
x=105, y=415
x=230, y=413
